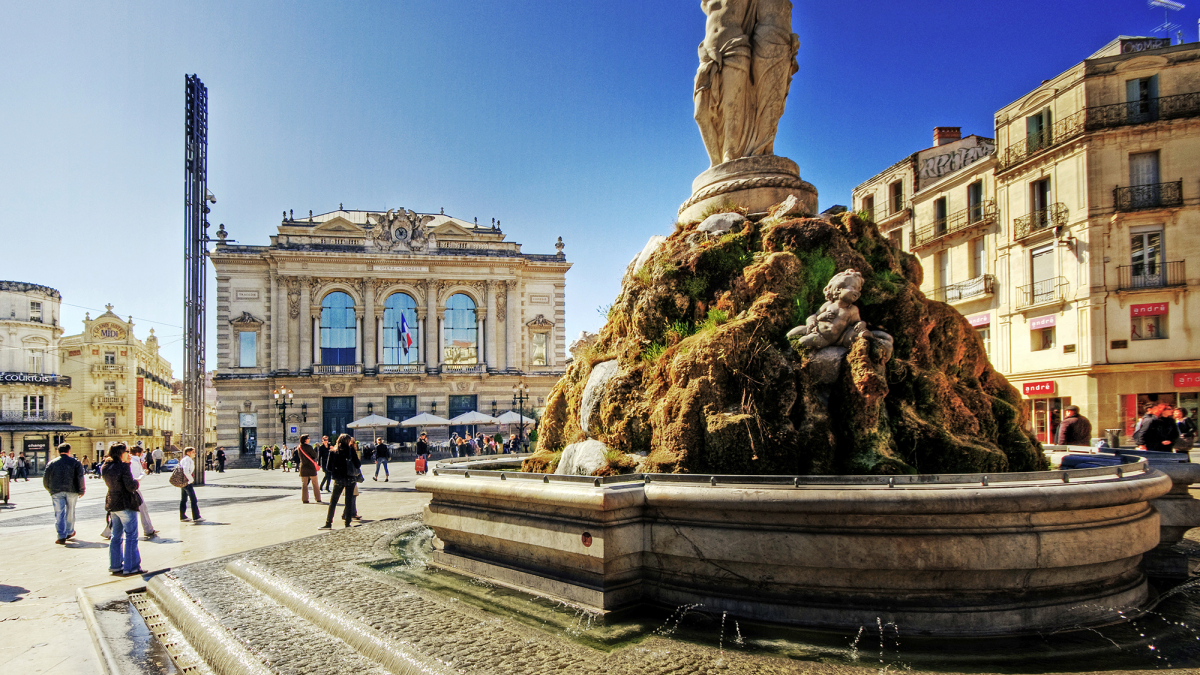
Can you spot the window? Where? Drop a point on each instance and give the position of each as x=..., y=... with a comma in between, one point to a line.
x=942, y=260
x=1041, y=339
x=110, y=388
x=896, y=236
x=975, y=201
x=1148, y=328
x=1039, y=201
x=537, y=349
x=34, y=407
x=868, y=206
x=940, y=212
x=1143, y=175
x=37, y=361
x=247, y=349
x=110, y=358
x=1037, y=131
x=985, y=333
x=461, y=331
x=978, y=257
x=110, y=421
x=1042, y=272
x=338, y=330
x=896, y=194
x=1141, y=96
x=1146, y=258
x=35, y=312
x=401, y=339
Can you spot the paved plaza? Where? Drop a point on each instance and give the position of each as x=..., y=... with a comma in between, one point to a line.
x=243, y=509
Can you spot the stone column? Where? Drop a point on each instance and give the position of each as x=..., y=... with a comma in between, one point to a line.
x=271, y=344
x=512, y=330
x=378, y=338
x=422, y=348
x=441, y=335
x=358, y=336
x=490, y=336
x=305, y=324
x=431, y=339
x=369, y=322
x=481, y=323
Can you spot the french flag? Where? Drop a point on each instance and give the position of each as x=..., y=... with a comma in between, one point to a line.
x=405, y=337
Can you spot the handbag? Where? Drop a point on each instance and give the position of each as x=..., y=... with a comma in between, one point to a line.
x=178, y=478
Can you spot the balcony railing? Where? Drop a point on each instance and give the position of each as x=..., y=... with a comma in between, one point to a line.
x=35, y=378
x=1042, y=292
x=109, y=401
x=472, y=369
x=336, y=370
x=981, y=286
x=1039, y=221
x=976, y=215
x=108, y=368
x=41, y=416
x=1034, y=144
x=401, y=369
x=1151, y=275
x=889, y=208
x=1143, y=112
x=1153, y=196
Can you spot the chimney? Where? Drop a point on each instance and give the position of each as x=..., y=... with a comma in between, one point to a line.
x=944, y=135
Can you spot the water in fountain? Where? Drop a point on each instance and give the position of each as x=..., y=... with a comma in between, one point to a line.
x=1159, y=638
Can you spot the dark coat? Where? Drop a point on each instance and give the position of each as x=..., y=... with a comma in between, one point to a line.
x=323, y=456
x=1154, y=431
x=382, y=451
x=64, y=474
x=1186, y=427
x=422, y=447
x=1075, y=430
x=122, y=488
x=343, y=464
x=308, y=460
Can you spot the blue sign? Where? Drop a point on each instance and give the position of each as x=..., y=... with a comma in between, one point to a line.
x=294, y=429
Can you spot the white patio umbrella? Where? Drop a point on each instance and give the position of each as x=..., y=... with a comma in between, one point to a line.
x=373, y=422
x=426, y=420
x=511, y=417
x=473, y=418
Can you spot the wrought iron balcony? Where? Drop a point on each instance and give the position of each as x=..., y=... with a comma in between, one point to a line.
x=1143, y=112
x=1151, y=275
x=1153, y=196
x=472, y=369
x=40, y=416
x=109, y=401
x=1039, y=221
x=401, y=369
x=1042, y=292
x=36, y=379
x=1034, y=144
x=982, y=214
x=109, y=369
x=322, y=369
x=981, y=286
x=890, y=208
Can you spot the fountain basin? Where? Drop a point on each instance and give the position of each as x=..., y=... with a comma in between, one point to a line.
x=941, y=555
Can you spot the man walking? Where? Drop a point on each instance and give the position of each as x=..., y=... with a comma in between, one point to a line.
x=220, y=459
x=1075, y=429
x=64, y=480
x=158, y=460
x=1157, y=430
x=382, y=455
x=323, y=458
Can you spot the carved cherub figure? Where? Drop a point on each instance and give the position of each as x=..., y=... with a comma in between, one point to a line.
x=837, y=323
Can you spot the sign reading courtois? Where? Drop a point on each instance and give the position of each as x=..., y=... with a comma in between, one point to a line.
x=34, y=378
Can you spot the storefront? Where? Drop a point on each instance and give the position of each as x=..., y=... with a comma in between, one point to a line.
x=1045, y=407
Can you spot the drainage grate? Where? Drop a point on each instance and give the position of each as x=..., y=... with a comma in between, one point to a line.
x=186, y=659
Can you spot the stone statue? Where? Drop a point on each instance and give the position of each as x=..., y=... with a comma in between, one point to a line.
x=747, y=60
x=837, y=323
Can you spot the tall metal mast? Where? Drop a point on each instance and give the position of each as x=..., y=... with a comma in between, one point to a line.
x=195, y=267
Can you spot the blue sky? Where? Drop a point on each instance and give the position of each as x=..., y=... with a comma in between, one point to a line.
x=569, y=119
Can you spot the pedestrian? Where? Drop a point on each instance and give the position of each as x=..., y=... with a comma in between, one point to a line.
x=268, y=458
x=22, y=468
x=307, y=458
x=188, y=466
x=1157, y=430
x=121, y=504
x=220, y=459
x=1187, y=430
x=158, y=460
x=10, y=464
x=287, y=458
x=454, y=444
x=1075, y=429
x=345, y=467
x=323, y=459
x=64, y=480
x=422, y=463
x=140, y=468
x=382, y=455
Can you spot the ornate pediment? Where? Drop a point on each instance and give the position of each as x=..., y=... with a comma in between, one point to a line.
x=247, y=321
x=1036, y=101
x=338, y=224
x=450, y=229
x=540, y=321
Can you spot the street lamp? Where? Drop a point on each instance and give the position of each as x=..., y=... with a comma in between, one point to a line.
x=520, y=395
x=283, y=401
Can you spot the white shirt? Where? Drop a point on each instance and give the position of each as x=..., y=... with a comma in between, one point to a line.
x=158, y=454
x=136, y=468
x=188, y=466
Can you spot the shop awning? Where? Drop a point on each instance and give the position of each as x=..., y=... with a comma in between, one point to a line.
x=31, y=427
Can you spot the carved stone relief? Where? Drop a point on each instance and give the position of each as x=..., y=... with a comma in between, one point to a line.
x=293, y=294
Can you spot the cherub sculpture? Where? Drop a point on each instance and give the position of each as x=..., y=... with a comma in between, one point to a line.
x=837, y=323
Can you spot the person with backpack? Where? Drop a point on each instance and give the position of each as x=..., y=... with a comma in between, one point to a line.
x=346, y=468
x=64, y=480
x=382, y=455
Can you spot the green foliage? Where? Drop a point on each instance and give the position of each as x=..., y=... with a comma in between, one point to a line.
x=653, y=352
x=695, y=287
x=643, y=277
x=817, y=271
x=683, y=329
x=866, y=215
x=715, y=318
x=884, y=283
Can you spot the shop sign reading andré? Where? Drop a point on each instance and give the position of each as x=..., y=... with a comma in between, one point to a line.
x=108, y=331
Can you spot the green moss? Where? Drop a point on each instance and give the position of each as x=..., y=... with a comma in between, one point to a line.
x=695, y=286
x=818, y=269
x=715, y=318
x=653, y=352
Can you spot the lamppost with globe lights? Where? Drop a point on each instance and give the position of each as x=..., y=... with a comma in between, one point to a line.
x=283, y=401
x=520, y=395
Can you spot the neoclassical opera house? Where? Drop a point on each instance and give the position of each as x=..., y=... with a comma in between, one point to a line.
x=395, y=313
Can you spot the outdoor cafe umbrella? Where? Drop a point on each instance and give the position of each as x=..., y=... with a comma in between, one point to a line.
x=425, y=420
x=511, y=417
x=372, y=422
x=472, y=419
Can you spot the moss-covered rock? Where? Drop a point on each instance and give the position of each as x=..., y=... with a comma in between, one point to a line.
x=708, y=383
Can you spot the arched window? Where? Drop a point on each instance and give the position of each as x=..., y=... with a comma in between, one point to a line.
x=461, y=331
x=338, y=338
x=401, y=339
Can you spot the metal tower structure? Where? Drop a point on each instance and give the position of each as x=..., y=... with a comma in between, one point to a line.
x=195, y=266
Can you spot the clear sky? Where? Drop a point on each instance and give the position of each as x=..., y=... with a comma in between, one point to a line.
x=569, y=119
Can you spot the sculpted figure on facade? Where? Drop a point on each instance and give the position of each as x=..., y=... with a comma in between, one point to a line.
x=293, y=295
x=398, y=230
x=747, y=60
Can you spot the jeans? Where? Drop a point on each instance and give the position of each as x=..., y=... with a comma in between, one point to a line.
x=124, y=532
x=385, y=469
x=184, y=493
x=64, y=513
x=158, y=466
x=144, y=512
x=325, y=480
x=349, y=510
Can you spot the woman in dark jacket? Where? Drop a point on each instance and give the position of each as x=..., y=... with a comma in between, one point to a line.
x=344, y=466
x=122, y=504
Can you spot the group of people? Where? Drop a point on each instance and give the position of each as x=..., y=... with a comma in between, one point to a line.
x=482, y=444
x=16, y=466
x=341, y=464
x=1164, y=428
x=122, y=470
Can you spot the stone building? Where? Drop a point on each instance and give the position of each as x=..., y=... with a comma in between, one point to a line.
x=1079, y=279
x=32, y=416
x=396, y=313
x=120, y=386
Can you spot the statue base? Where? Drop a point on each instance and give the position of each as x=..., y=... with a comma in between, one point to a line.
x=756, y=183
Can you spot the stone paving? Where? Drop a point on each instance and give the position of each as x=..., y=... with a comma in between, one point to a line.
x=41, y=629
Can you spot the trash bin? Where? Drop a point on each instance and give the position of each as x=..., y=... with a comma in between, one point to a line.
x=4, y=485
x=1113, y=436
